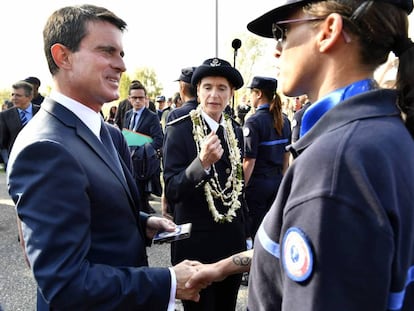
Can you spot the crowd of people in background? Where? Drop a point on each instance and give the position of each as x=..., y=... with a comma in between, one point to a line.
x=273, y=176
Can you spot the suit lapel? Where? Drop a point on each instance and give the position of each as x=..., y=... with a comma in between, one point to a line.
x=143, y=114
x=71, y=120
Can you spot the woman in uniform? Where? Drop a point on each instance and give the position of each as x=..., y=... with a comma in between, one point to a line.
x=266, y=135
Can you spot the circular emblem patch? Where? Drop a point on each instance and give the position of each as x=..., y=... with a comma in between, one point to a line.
x=246, y=131
x=297, y=256
x=294, y=123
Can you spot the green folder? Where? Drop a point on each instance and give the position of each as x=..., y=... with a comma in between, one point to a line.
x=135, y=138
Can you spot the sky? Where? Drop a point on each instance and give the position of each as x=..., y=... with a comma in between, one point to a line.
x=165, y=35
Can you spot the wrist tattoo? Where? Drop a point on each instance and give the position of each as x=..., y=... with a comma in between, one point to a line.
x=239, y=260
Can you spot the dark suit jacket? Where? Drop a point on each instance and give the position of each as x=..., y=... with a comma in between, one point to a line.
x=11, y=125
x=184, y=179
x=148, y=124
x=83, y=234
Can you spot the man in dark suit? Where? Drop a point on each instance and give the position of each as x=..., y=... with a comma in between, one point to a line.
x=141, y=119
x=14, y=119
x=203, y=179
x=76, y=199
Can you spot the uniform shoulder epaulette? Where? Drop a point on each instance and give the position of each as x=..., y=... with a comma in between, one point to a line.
x=234, y=120
x=178, y=120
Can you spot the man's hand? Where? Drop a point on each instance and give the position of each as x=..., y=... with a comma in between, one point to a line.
x=211, y=150
x=156, y=224
x=205, y=275
x=183, y=271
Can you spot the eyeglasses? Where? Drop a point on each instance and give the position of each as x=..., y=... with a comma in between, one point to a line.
x=137, y=97
x=279, y=29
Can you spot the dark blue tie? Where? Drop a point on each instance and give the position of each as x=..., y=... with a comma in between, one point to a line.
x=23, y=117
x=109, y=145
x=133, y=121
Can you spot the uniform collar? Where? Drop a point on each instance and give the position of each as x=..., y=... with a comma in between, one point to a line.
x=320, y=107
x=371, y=104
x=263, y=106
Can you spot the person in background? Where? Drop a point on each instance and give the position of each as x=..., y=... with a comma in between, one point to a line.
x=266, y=135
x=177, y=102
x=37, y=97
x=111, y=115
x=204, y=179
x=69, y=176
x=140, y=119
x=13, y=120
x=188, y=94
x=242, y=110
x=123, y=106
x=340, y=234
x=297, y=117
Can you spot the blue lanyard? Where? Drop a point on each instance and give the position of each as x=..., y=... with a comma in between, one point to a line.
x=319, y=108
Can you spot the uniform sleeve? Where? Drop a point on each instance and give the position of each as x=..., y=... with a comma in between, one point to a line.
x=344, y=240
x=182, y=167
x=251, y=139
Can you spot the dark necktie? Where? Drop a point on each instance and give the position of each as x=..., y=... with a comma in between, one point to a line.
x=220, y=134
x=133, y=121
x=107, y=142
x=23, y=117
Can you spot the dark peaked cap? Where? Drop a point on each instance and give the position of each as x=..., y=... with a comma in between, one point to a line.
x=262, y=25
x=186, y=74
x=216, y=67
x=263, y=83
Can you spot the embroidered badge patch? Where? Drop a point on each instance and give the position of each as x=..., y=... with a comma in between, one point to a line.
x=297, y=256
x=246, y=131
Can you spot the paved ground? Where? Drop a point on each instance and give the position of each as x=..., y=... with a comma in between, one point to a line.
x=17, y=287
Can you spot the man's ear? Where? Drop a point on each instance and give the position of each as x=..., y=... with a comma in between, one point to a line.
x=330, y=32
x=61, y=55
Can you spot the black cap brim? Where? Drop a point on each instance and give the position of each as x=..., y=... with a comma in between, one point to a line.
x=262, y=26
x=229, y=73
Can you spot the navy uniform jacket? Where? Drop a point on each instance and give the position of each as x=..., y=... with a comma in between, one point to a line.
x=11, y=125
x=339, y=235
x=183, y=110
x=84, y=237
x=297, y=121
x=184, y=179
x=263, y=143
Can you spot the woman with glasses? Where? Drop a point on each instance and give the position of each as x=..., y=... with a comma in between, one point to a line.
x=340, y=234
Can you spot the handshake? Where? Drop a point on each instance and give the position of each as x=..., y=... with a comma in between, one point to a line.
x=193, y=276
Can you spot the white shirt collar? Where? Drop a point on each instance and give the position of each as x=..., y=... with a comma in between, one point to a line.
x=89, y=117
x=212, y=123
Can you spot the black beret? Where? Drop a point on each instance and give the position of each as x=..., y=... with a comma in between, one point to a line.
x=263, y=83
x=186, y=74
x=262, y=25
x=217, y=67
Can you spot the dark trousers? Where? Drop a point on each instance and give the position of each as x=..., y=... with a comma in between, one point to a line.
x=260, y=194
